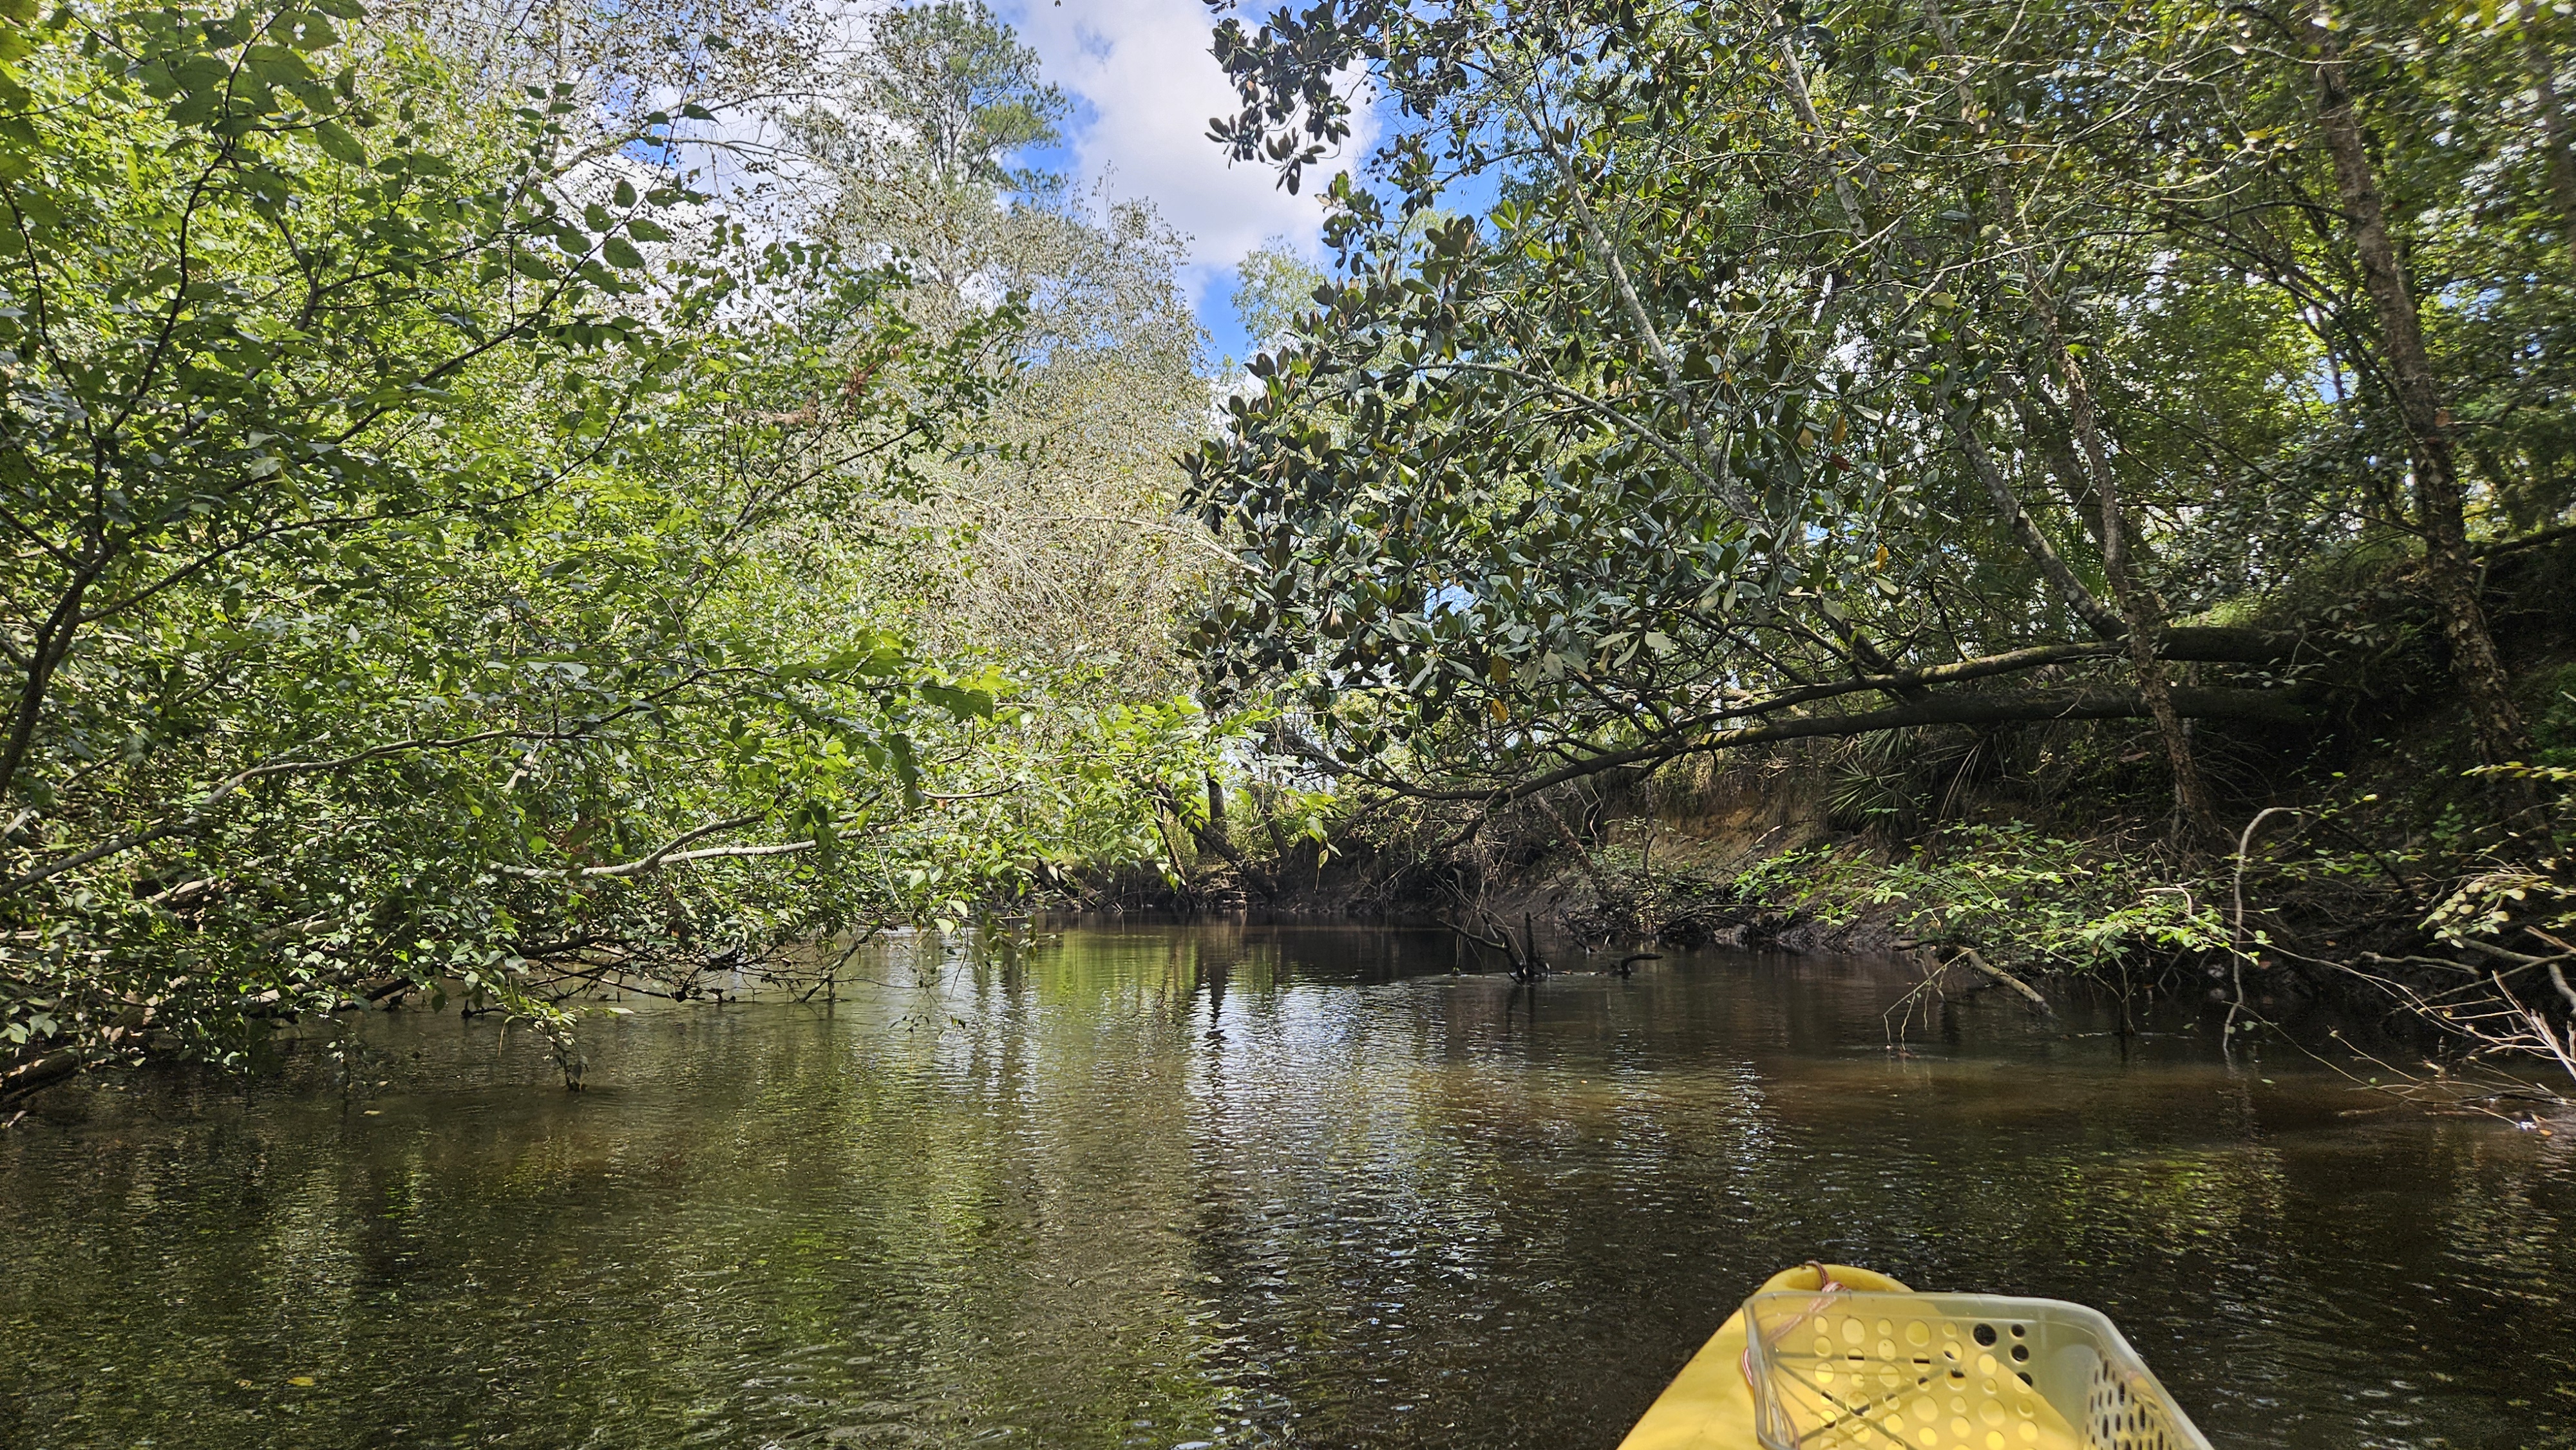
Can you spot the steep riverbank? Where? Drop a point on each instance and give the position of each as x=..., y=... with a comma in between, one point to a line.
x=2360, y=860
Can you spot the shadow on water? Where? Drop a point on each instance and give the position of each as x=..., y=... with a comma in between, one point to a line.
x=1218, y=1185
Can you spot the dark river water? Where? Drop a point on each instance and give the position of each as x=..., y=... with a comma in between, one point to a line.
x=1202, y=1186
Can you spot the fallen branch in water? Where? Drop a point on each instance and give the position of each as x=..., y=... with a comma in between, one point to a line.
x=1524, y=958
x=35, y=1074
x=1971, y=957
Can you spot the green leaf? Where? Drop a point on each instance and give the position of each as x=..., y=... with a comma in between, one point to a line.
x=338, y=144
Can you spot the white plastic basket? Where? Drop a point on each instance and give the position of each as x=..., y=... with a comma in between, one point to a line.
x=1868, y=1371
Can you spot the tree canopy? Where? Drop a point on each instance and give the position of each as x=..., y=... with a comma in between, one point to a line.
x=528, y=503
x=1826, y=370
x=447, y=546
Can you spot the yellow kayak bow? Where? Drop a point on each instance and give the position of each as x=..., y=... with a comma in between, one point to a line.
x=1829, y=1357
x=1709, y=1405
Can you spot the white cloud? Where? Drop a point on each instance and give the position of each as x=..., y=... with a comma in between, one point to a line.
x=1149, y=85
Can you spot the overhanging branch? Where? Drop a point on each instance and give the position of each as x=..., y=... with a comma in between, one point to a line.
x=2263, y=706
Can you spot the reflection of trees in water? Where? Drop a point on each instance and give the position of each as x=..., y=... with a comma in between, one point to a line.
x=1211, y=1176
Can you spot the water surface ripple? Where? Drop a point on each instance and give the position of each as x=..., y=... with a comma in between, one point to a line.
x=1239, y=1186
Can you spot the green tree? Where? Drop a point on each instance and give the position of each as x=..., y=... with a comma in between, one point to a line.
x=1722, y=413
x=433, y=560
x=1055, y=540
x=1810, y=357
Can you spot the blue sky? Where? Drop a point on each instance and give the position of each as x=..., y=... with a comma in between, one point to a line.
x=1144, y=87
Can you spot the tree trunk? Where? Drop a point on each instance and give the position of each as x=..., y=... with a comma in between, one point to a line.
x=53, y=644
x=2259, y=707
x=2193, y=814
x=2051, y=441
x=2561, y=152
x=2141, y=620
x=2097, y=617
x=2450, y=574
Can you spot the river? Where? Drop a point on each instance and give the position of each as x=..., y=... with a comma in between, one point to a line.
x=1196, y=1186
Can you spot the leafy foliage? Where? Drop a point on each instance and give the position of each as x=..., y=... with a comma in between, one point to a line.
x=1810, y=357
x=439, y=556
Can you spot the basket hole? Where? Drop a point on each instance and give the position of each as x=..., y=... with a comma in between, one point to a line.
x=1985, y=1334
